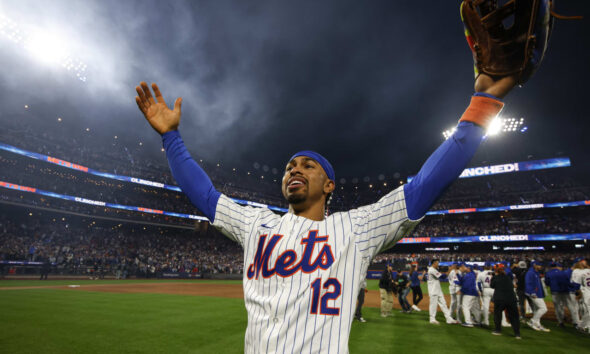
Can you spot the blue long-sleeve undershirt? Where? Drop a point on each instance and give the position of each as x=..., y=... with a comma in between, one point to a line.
x=441, y=169
x=191, y=178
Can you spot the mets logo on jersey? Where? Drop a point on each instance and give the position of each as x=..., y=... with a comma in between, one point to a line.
x=287, y=263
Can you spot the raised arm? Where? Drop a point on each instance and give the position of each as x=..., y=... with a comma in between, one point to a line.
x=449, y=160
x=191, y=178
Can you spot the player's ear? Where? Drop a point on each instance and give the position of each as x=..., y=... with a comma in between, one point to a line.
x=329, y=186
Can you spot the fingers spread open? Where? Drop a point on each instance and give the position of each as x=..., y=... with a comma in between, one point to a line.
x=141, y=96
x=140, y=105
x=158, y=94
x=147, y=93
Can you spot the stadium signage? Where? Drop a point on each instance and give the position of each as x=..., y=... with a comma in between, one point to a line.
x=489, y=170
x=526, y=206
x=513, y=167
x=17, y=187
x=497, y=238
x=89, y=201
x=504, y=238
x=415, y=240
x=67, y=164
x=147, y=183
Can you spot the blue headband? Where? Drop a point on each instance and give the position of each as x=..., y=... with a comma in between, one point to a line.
x=319, y=159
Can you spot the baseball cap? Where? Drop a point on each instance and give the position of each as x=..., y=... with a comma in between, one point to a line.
x=319, y=159
x=553, y=264
x=533, y=263
x=579, y=259
x=499, y=266
x=522, y=264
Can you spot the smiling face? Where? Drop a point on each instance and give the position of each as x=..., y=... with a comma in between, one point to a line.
x=305, y=182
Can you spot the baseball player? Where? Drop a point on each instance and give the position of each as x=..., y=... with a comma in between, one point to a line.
x=558, y=283
x=302, y=270
x=483, y=280
x=358, y=314
x=454, y=290
x=573, y=288
x=536, y=293
x=436, y=295
x=470, y=296
x=581, y=277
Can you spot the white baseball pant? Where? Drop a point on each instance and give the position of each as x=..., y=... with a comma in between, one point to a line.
x=438, y=300
x=486, y=298
x=470, y=305
x=539, y=309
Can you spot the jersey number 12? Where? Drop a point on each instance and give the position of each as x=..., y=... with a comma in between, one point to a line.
x=330, y=284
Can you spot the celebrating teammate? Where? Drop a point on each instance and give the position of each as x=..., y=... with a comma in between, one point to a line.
x=483, y=280
x=581, y=277
x=302, y=270
x=435, y=294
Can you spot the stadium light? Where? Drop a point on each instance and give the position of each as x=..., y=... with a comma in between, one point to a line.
x=447, y=133
x=44, y=45
x=498, y=126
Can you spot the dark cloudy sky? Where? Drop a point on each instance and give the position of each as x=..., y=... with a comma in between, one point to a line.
x=369, y=84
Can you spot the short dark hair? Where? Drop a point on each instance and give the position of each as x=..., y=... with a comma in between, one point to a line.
x=434, y=260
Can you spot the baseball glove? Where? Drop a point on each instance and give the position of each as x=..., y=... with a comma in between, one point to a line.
x=508, y=39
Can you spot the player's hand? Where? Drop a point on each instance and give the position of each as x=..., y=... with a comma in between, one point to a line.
x=156, y=112
x=498, y=87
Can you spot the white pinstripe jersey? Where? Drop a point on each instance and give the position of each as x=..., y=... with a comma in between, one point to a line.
x=582, y=277
x=302, y=277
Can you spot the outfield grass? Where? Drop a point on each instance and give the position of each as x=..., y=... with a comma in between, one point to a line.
x=36, y=282
x=65, y=321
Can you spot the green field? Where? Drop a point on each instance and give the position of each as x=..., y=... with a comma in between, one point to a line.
x=63, y=321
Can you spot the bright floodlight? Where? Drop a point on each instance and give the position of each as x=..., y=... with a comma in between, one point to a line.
x=447, y=133
x=43, y=45
x=497, y=126
x=47, y=48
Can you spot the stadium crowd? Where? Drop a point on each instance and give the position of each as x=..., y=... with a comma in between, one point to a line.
x=261, y=184
x=83, y=246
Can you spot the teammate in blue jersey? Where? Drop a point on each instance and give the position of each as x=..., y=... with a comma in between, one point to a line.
x=302, y=270
x=470, y=296
x=536, y=293
x=558, y=282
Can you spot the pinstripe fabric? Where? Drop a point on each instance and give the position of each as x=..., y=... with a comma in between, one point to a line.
x=278, y=299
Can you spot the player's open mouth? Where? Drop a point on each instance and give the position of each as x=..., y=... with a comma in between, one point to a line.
x=295, y=182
